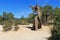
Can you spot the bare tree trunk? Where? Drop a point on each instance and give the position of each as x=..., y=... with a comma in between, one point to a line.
x=40, y=23
x=38, y=19
x=37, y=23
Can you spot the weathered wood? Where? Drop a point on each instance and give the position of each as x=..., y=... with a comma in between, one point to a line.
x=38, y=19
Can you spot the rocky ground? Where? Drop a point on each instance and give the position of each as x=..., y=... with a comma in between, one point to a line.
x=25, y=33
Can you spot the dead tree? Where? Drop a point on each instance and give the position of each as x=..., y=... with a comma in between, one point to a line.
x=38, y=19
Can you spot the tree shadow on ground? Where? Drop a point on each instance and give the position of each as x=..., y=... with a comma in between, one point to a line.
x=32, y=28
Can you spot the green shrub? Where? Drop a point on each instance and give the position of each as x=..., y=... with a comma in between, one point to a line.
x=7, y=25
x=55, y=34
x=16, y=25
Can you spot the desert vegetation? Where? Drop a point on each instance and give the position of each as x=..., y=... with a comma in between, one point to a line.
x=48, y=13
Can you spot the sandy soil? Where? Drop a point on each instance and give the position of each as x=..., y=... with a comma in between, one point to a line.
x=26, y=34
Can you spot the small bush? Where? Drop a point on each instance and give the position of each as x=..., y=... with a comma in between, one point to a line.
x=16, y=28
x=16, y=25
x=7, y=25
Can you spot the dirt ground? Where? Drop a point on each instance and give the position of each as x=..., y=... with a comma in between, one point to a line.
x=27, y=34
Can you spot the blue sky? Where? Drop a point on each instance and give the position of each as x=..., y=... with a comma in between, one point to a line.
x=21, y=7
